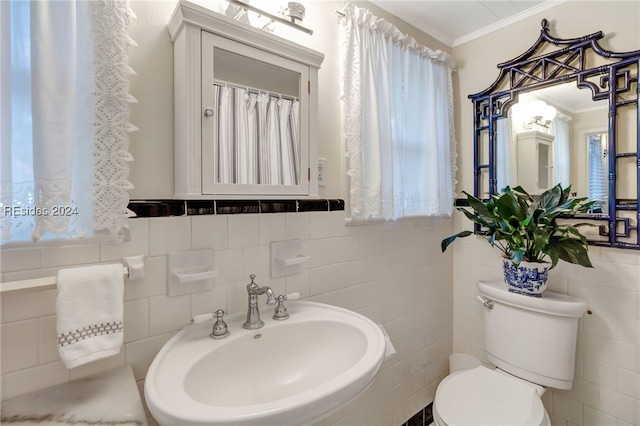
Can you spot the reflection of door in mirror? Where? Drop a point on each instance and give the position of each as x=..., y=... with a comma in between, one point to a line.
x=256, y=120
x=575, y=115
x=597, y=164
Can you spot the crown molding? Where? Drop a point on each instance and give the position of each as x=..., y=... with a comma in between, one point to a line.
x=506, y=22
x=448, y=40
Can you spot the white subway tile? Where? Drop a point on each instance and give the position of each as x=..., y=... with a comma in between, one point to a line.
x=256, y=260
x=48, y=340
x=209, y=301
x=136, y=320
x=628, y=330
x=229, y=264
x=243, y=231
x=169, y=234
x=618, y=405
x=19, y=259
x=32, y=304
x=628, y=383
x=618, y=256
x=298, y=283
x=154, y=282
x=620, y=353
x=600, y=373
x=338, y=224
x=567, y=409
x=319, y=225
x=273, y=227
x=34, y=379
x=331, y=251
x=138, y=245
x=298, y=226
x=70, y=255
x=168, y=314
x=140, y=354
x=19, y=345
x=620, y=302
x=209, y=231
x=594, y=417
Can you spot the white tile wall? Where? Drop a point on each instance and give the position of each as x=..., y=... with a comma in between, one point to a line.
x=607, y=382
x=393, y=273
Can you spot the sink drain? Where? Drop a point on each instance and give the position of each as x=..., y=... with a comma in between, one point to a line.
x=257, y=336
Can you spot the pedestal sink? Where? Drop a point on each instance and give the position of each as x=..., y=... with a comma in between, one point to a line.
x=290, y=372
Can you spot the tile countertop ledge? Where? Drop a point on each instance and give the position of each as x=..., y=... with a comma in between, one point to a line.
x=109, y=398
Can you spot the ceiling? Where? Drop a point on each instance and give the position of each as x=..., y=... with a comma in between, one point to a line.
x=454, y=22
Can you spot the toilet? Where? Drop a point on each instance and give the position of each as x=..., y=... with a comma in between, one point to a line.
x=532, y=343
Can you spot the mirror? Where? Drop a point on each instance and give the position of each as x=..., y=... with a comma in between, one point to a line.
x=256, y=124
x=565, y=111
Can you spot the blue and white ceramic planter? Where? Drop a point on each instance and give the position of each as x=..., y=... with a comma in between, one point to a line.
x=528, y=278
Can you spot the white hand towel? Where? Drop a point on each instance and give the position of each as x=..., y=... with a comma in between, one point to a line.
x=89, y=308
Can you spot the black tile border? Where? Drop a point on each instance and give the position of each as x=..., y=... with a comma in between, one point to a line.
x=424, y=417
x=157, y=208
x=167, y=208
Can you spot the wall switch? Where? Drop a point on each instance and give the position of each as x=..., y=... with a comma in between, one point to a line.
x=322, y=171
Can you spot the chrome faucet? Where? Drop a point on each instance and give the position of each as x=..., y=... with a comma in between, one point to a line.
x=253, y=315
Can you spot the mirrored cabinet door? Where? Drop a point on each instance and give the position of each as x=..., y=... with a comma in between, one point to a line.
x=255, y=126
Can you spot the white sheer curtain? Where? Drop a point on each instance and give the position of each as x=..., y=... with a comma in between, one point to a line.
x=505, y=155
x=561, y=150
x=398, y=107
x=65, y=95
x=256, y=136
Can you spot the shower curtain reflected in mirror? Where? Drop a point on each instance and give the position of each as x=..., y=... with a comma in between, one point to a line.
x=256, y=137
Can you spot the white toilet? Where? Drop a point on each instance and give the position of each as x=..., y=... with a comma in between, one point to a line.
x=532, y=342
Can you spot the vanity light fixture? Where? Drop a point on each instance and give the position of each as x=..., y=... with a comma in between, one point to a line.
x=293, y=10
x=539, y=113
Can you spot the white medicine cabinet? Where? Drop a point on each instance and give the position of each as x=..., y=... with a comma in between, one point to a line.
x=245, y=108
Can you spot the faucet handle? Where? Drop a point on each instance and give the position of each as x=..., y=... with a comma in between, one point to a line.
x=281, y=314
x=220, y=330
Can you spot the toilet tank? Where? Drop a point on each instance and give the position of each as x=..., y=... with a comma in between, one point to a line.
x=532, y=338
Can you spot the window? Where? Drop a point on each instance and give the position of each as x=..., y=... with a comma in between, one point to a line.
x=398, y=107
x=65, y=84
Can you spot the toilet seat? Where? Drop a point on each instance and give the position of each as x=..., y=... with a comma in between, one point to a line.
x=481, y=396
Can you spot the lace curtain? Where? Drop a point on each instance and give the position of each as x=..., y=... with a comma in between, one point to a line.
x=256, y=137
x=65, y=118
x=399, y=130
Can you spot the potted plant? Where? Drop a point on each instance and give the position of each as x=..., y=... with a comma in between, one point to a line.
x=524, y=228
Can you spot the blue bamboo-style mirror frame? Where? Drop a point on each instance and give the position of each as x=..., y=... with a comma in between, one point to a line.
x=616, y=82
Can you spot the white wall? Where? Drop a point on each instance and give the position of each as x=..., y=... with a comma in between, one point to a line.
x=606, y=388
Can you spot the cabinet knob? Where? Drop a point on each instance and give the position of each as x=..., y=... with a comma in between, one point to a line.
x=208, y=112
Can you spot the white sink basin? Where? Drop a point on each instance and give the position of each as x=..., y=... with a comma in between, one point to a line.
x=288, y=372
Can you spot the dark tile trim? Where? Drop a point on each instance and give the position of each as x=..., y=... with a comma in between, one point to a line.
x=200, y=207
x=237, y=207
x=423, y=417
x=335, y=205
x=157, y=208
x=284, y=206
x=461, y=202
x=165, y=208
x=313, y=206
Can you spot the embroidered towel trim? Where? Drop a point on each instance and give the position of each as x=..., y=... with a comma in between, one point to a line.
x=89, y=306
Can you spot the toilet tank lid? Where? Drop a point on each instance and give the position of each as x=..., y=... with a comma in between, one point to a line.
x=550, y=303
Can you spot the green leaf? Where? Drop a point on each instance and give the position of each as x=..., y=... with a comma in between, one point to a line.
x=507, y=205
x=572, y=251
x=479, y=206
x=447, y=241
